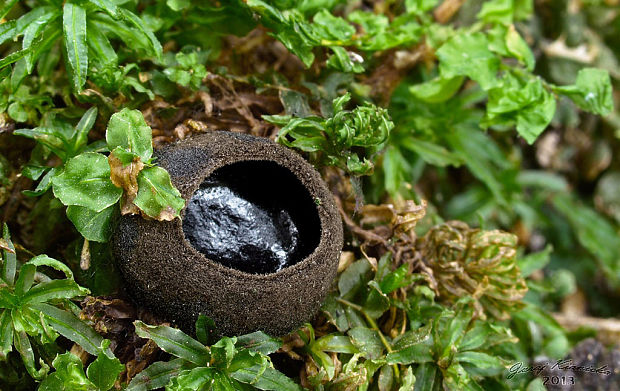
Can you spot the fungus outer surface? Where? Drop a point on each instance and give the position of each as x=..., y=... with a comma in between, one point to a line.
x=175, y=280
x=253, y=216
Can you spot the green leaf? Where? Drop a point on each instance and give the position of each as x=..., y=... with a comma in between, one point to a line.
x=259, y=342
x=134, y=20
x=6, y=8
x=157, y=375
x=594, y=233
x=6, y=334
x=94, y=226
x=196, y=379
x=592, y=91
x=334, y=343
x=535, y=261
x=483, y=335
x=86, y=182
x=71, y=327
x=129, y=130
x=345, y=61
x=265, y=379
x=223, y=352
x=353, y=278
x=395, y=280
x=385, y=380
x=105, y=369
x=437, y=90
x=426, y=377
x=330, y=27
x=54, y=289
x=519, y=48
x=408, y=380
x=157, y=197
x=100, y=47
x=367, y=341
x=415, y=346
x=69, y=375
x=74, y=28
x=44, y=260
x=431, y=153
x=23, y=346
x=44, y=184
x=106, y=5
x=376, y=302
x=25, y=279
x=175, y=342
x=482, y=364
x=456, y=378
x=497, y=12
x=469, y=55
x=9, y=264
x=450, y=337
x=205, y=328
x=528, y=104
x=80, y=138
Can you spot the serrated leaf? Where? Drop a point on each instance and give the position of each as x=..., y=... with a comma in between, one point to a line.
x=71, y=327
x=23, y=346
x=157, y=197
x=44, y=260
x=175, y=342
x=86, y=182
x=74, y=29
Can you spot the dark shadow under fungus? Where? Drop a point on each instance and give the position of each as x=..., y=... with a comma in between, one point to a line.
x=253, y=216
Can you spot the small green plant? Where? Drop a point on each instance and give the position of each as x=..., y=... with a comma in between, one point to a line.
x=34, y=309
x=69, y=375
x=84, y=28
x=236, y=363
x=346, y=140
x=91, y=184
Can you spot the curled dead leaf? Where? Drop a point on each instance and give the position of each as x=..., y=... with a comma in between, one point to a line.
x=125, y=176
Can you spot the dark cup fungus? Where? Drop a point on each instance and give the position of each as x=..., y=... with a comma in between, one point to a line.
x=257, y=245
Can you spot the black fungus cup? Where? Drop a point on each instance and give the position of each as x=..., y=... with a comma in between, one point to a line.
x=165, y=265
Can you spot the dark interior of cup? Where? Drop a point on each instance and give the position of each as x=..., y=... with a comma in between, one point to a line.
x=254, y=216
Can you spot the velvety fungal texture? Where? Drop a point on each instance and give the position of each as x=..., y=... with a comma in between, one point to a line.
x=257, y=245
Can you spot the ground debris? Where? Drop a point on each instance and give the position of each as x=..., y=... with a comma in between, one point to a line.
x=113, y=319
